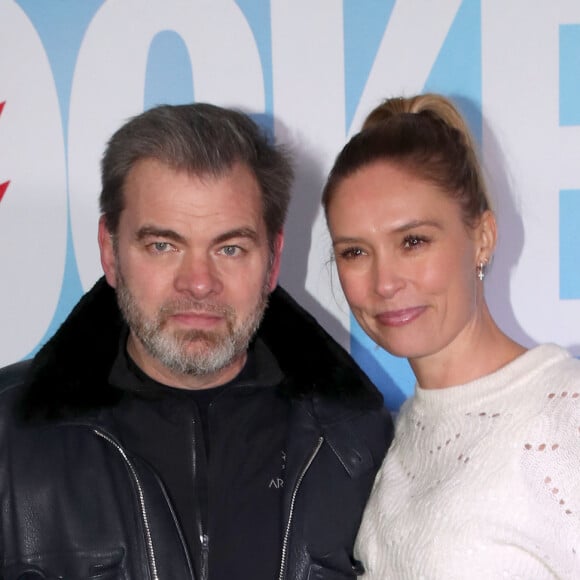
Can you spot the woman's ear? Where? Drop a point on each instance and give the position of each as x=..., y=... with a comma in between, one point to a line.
x=486, y=237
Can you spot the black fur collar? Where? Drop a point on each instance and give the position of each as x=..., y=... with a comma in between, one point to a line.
x=69, y=375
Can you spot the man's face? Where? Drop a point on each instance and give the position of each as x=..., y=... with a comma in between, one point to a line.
x=191, y=267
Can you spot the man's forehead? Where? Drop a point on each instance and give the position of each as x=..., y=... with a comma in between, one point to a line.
x=159, y=197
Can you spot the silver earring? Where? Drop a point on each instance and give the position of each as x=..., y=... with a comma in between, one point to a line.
x=480, y=270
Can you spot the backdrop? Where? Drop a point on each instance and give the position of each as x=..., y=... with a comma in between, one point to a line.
x=72, y=71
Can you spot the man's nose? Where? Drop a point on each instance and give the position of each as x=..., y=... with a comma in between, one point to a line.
x=198, y=275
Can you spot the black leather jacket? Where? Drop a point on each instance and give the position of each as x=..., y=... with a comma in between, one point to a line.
x=76, y=504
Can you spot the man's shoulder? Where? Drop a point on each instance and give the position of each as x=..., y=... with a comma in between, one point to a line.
x=311, y=358
x=13, y=375
x=375, y=420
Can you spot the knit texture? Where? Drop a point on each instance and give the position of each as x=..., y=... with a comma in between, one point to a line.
x=483, y=479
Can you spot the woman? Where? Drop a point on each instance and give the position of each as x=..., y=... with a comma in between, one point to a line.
x=483, y=478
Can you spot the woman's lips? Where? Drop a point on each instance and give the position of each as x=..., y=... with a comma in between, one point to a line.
x=400, y=317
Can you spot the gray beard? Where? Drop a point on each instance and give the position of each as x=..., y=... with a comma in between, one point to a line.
x=194, y=353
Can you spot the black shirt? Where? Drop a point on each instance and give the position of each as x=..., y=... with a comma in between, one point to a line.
x=220, y=454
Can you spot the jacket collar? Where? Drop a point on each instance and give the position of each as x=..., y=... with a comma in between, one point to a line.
x=69, y=376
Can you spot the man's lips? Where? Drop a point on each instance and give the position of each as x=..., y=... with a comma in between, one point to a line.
x=400, y=317
x=197, y=319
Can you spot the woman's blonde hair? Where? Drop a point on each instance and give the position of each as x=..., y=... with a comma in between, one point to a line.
x=426, y=136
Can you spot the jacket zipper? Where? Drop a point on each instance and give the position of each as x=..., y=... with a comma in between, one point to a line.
x=149, y=541
x=203, y=537
x=292, y=503
x=204, y=555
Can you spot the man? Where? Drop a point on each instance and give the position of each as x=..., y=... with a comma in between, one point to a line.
x=189, y=419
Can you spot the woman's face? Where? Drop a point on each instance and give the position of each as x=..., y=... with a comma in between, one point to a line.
x=406, y=260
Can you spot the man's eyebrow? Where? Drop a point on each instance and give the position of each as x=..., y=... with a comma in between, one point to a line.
x=155, y=232
x=248, y=233
x=150, y=231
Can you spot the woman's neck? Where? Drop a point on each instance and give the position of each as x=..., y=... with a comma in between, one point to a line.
x=480, y=349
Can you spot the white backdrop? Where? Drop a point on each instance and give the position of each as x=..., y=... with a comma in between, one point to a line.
x=72, y=71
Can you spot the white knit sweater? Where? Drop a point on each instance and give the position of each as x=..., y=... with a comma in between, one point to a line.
x=483, y=479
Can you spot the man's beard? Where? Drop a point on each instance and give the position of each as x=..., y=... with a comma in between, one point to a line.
x=191, y=352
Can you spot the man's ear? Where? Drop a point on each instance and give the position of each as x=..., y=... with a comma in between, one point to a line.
x=487, y=237
x=107, y=250
x=276, y=260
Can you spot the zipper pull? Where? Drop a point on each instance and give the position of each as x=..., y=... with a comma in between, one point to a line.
x=204, y=540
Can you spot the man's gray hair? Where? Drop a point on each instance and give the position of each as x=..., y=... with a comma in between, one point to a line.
x=201, y=139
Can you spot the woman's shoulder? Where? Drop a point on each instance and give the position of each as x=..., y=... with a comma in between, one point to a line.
x=544, y=376
x=551, y=447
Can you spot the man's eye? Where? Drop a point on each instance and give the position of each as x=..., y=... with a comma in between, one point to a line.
x=231, y=251
x=161, y=247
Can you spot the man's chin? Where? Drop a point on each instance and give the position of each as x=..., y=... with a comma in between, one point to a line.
x=196, y=356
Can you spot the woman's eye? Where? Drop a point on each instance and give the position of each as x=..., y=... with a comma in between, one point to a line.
x=351, y=253
x=411, y=242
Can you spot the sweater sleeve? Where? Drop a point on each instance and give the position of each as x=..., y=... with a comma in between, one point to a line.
x=550, y=467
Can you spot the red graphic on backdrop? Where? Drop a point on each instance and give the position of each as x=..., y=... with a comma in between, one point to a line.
x=3, y=186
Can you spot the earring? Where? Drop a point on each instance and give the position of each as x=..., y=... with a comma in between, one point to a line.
x=480, y=270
